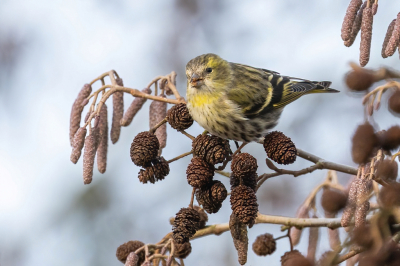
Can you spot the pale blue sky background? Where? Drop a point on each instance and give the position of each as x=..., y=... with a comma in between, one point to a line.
x=49, y=49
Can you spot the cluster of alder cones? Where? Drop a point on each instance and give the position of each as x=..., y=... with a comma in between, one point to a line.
x=360, y=15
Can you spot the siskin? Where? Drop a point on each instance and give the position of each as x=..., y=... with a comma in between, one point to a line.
x=239, y=102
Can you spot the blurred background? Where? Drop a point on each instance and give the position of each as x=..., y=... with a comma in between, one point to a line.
x=49, y=49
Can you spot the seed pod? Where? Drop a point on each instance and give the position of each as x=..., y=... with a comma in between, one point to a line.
x=364, y=141
x=280, y=148
x=103, y=144
x=351, y=13
x=387, y=170
x=351, y=204
x=182, y=250
x=244, y=204
x=144, y=148
x=157, y=170
x=264, y=245
x=186, y=223
x=390, y=139
x=158, y=111
x=243, y=165
x=118, y=112
x=295, y=233
x=294, y=258
x=125, y=249
x=78, y=142
x=333, y=200
x=361, y=214
x=89, y=153
x=178, y=117
x=211, y=149
x=312, y=242
x=249, y=181
x=203, y=216
x=394, y=102
x=134, y=108
x=76, y=111
x=132, y=259
x=359, y=79
x=356, y=26
x=394, y=39
x=211, y=196
x=239, y=236
x=387, y=38
x=199, y=173
x=366, y=35
x=218, y=191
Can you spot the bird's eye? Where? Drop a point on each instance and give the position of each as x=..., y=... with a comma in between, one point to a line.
x=208, y=69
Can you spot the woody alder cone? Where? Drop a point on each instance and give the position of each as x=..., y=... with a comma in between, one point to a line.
x=243, y=165
x=387, y=170
x=390, y=139
x=128, y=247
x=157, y=170
x=211, y=196
x=394, y=102
x=182, y=250
x=359, y=79
x=333, y=200
x=249, y=180
x=178, y=117
x=211, y=149
x=199, y=173
x=203, y=216
x=244, y=204
x=186, y=223
x=280, y=148
x=364, y=141
x=144, y=148
x=264, y=245
x=294, y=258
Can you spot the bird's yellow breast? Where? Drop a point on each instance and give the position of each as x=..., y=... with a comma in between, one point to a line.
x=199, y=100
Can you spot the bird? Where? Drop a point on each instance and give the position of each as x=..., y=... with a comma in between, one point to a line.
x=240, y=102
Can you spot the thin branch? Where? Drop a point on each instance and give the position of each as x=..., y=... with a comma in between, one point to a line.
x=162, y=122
x=180, y=156
x=187, y=134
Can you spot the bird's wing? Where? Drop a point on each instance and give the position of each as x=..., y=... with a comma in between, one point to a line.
x=250, y=89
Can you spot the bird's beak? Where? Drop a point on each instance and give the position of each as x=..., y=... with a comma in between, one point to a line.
x=195, y=80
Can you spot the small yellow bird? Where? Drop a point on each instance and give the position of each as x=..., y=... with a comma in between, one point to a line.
x=239, y=102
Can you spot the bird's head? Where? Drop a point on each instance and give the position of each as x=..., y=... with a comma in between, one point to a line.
x=207, y=73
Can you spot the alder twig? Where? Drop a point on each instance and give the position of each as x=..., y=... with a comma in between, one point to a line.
x=180, y=156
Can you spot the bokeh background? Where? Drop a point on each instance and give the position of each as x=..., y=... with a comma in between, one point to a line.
x=49, y=49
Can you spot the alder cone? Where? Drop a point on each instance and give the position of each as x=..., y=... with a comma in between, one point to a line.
x=243, y=165
x=244, y=204
x=179, y=118
x=203, y=216
x=360, y=79
x=249, y=180
x=294, y=258
x=333, y=200
x=390, y=139
x=280, y=148
x=182, y=250
x=144, y=148
x=211, y=196
x=389, y=196
x=199, y=173
x=264, y=245
x=363, y=143
x=211, y=149
x=157, y=170
x=387, y=170
x=128, y=247
x=394, y=102
x=186, y=223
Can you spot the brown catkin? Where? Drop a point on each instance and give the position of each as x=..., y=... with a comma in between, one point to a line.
x=76, y=111
x=132, y=259
x=387, y=38
x=125, y=249
x=239, y=235
x=79, y=140
x=366, y=35
x=364, y=188
x=158, y=111
x=89, y=153
x=361, y=214
x=333, y=234
x=103, y=144
x=351, y=204
x=118, y=112
x=356, y=26
x=295, y=233
x=312, y=242
x=351, y=13
x=134, y=108
x=394, y=39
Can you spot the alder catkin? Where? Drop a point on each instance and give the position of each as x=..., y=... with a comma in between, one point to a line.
x=356, y=26
x=351, y=13
x=103, y=142
x=134, y=108
x=387, y=38
x=394, y=38
x=374, y=8
x=366, y=35
x=89, y=153
x=118, y=112
x=78, y=142
x=295, y=233
x=333, y=234
x=312, y=242
x=76, y=111
x=158, y=111
x=351, y=204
